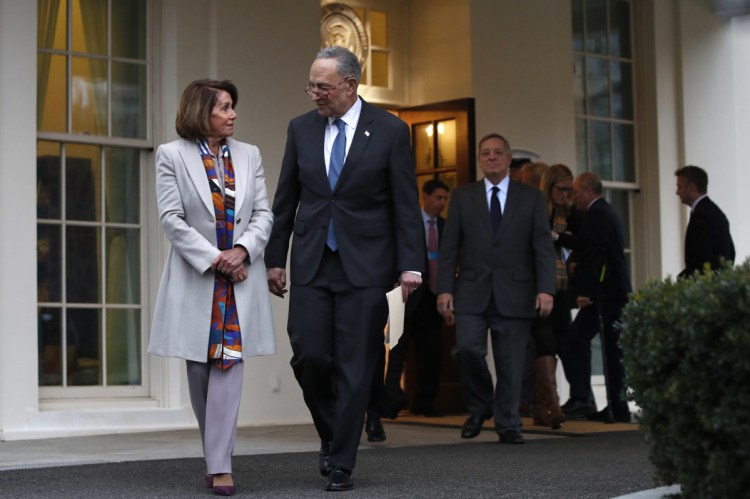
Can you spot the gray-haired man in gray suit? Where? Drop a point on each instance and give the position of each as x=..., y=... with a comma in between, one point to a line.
x=496, y=273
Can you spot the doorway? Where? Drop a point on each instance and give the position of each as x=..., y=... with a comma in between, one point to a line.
x=444, y=144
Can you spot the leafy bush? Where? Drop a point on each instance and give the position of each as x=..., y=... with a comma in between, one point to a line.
x=686, y=350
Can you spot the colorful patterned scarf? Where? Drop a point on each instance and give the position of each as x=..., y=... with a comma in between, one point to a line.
x=225, y=340
x=560, y=225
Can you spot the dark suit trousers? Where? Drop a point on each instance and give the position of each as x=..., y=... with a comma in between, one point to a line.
x=424, y=328
x=336, y=333
x=510, y=337
x=578, y=355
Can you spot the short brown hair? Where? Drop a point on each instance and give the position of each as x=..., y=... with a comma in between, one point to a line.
x=694, y=175
x=193, y=120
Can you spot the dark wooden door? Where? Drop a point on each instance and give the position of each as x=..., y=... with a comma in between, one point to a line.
x=444, y=143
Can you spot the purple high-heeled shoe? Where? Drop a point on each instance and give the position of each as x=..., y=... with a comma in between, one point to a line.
x=219, y=490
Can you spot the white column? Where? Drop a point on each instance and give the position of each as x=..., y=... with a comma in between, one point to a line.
x=19, y=392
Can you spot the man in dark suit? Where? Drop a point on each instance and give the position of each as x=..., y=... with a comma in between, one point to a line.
x=602, y=288
x=423, y=323
x=707, y=239
x=496, y=272
x=347, y=191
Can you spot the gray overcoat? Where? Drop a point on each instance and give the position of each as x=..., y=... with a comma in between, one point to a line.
x=182, y=315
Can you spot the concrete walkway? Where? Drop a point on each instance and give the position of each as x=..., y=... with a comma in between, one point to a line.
x=281, y=461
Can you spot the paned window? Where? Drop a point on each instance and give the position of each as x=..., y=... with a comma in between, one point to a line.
x=605, y=120
x=604, y=99
x=92, y=134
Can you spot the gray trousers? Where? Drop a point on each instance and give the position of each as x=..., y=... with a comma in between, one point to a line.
x=215, y=395
x=509, y=340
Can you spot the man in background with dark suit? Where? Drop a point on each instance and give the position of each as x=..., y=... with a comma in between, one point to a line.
x=423, y=323
x=602, y=286
x=348, y=193
x=496, y=273
x=707, y=239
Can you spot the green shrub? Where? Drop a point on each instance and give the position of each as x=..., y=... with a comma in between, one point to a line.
x=686, y=350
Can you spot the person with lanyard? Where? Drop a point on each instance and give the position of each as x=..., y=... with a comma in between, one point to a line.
x=213, y=307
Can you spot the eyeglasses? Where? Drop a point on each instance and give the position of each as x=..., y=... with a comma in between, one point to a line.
x=321, y=93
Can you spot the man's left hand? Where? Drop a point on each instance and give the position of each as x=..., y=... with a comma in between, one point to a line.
x=409, y=283
x=544, y=304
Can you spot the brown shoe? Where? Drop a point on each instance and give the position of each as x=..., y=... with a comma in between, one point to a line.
x=547, y=410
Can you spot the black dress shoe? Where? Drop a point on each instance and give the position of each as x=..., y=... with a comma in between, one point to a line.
x=617, y=416
x=375, y=430
x=511, y=437
x=473, y=425
x=324, y=457
x=427, y=411
x=340, y=479
x=578, y=409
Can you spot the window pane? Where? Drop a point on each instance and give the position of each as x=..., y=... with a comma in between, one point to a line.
x=577, y=9
x=123, y=266
x=360, y=13
x=52, y=93
x=129, y=29
x=600, y=149
x=49, y=323
x=89, y=26
x=84, y=333
x=89, y=96
x=122, y=185
x=579, y=85
x=582, y=146
x=597, y=86
x=123, y=347
x=624, y=152
x=596, y=27
x=379, y=63
x=622, y=90
x=446, y=140
x=82, y=183
x=378, y=29
x=82, y=264
x=129, y=100
x=52, y=24
x=424, y=145
x=619, y=28
x=48, y=187
x=49, y=263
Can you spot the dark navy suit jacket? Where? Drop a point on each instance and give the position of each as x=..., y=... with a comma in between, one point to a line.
x=707, y=239
x=604, y=245
x=374, y=205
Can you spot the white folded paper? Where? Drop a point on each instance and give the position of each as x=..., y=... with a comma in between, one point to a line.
x=396, y=308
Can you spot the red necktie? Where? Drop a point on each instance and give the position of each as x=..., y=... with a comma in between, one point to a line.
x=432, y=254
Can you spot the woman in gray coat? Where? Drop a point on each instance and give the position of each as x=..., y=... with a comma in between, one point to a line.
x=213, y=307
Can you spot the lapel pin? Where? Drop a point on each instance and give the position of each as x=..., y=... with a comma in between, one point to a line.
x=367, y=133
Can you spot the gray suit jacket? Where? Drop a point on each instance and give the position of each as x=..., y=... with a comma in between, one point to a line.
x=512, y=265
x=183, y=306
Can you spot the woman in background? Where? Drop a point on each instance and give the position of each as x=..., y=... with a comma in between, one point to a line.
x=557, y=187
x=213, y=307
